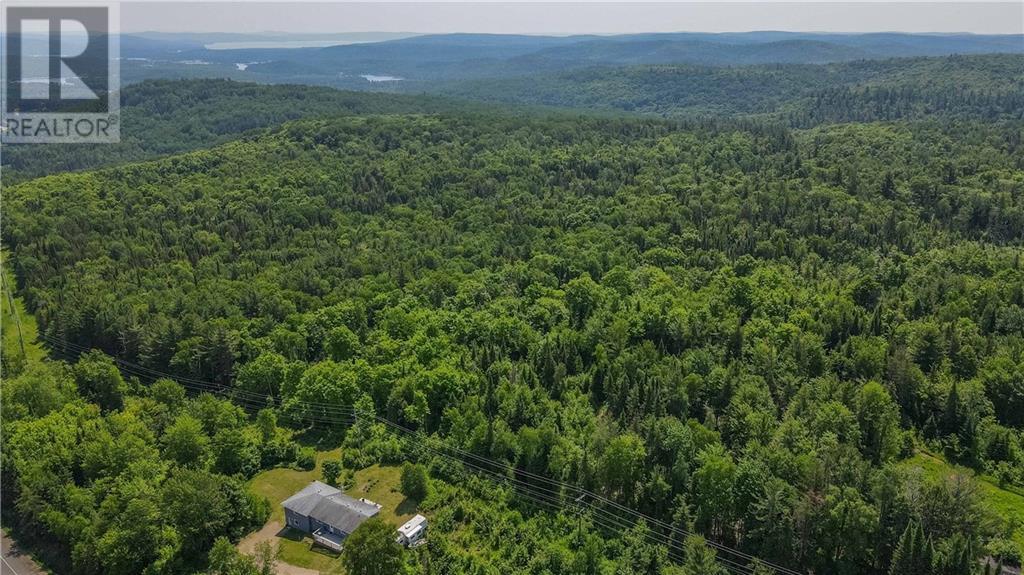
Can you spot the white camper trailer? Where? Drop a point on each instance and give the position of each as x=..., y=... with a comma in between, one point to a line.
x=413, y=532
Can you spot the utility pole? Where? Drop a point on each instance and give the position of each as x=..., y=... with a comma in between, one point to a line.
x=579, y=514
x=14, y=312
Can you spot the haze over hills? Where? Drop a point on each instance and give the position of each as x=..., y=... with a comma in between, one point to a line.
x=214, y=38
x=433, y=58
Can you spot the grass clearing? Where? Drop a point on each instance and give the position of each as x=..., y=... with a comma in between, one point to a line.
x=16, y=324
x=281, y=483
x=1003, y=502
x=376, y=483
x=381, y=484
x=296, y=548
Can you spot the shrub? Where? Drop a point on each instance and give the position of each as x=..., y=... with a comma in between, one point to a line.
x=331, y=470
x=305, y=458
x=414, y=481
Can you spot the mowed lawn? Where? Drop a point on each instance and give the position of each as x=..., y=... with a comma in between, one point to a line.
x=377, y=483
x=1003, y=502
x=381, y=484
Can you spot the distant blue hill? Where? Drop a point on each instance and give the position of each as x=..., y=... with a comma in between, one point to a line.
x=444, y=57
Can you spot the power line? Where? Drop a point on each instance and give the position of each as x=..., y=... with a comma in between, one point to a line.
x=550, y=495
x=673, y=529
x=618, y=524
x=345, y=415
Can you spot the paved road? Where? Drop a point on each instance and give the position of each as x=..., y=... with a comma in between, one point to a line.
x=14, y=562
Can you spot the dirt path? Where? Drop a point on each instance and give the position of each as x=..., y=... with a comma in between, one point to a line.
x=15, y=562
x=269, y=533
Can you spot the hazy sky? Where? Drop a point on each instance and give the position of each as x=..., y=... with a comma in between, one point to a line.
x=573, y=17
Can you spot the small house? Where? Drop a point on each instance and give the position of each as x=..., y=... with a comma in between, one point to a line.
x=413, y=532
x=327, y=513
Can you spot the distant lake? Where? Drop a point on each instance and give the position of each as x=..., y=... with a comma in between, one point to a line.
x=372, y=78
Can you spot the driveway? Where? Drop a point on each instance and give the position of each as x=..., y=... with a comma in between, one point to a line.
x=269, y=534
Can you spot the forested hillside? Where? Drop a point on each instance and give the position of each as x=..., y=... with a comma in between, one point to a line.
x=163, y=117
x=418, y=61
x=740, y=332
x=965, y=87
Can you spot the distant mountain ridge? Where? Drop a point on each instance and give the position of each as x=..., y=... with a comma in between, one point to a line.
x=444, y=57
x=979, y=87
x=162, y=117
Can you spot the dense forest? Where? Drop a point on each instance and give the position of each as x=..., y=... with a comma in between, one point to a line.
x=422, y=62
x=740, y=331
x=162, y=117
x=956, y=87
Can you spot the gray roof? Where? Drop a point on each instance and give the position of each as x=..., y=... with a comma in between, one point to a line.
x=328, y=505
